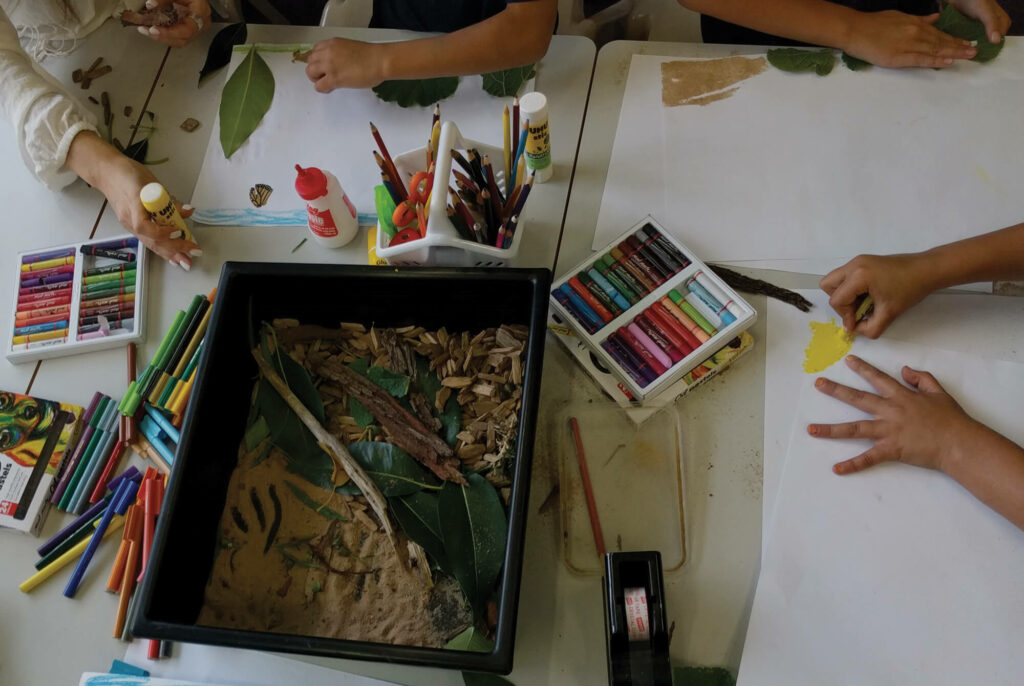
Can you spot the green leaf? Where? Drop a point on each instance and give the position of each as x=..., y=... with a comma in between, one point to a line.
x=256, y=432
x=394, y=471
x=475, y=533
x=359, y=413
x=427, y=380
x=392, y=382
x=796, y=59
x=954, y=23
x=451, y=420
x=417, y=515
x=473, y=640
x=219, y=53
x=313, y=504
x=702, y=676
x=417, y=92
x=505, y=84
x=246, y=98
x=360, y=365
x=484, y=679
x=855, y=63
x=305, y=457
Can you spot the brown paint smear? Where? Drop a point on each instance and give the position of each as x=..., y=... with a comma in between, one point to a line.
x=701, y=82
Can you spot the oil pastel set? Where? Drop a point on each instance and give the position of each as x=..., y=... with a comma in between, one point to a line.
x=649, y=310
x=77, y=297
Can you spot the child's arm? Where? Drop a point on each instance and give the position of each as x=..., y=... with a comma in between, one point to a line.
x=927, y=428
x=896, y=282
x=517, y=35
x=888, y=39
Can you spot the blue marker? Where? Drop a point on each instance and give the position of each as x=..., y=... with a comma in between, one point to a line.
x=152, y=433
x=123, y=497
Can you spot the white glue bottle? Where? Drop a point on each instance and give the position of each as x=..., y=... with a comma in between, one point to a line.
x=534, y=106
x=331, y=215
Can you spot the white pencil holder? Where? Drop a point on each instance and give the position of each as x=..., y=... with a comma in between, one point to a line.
x=442, y=246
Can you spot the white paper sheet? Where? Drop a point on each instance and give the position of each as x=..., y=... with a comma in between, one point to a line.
x=985, y=325
x=797, y=166
x=895, y=575
x=234, y=667
x=330, y=131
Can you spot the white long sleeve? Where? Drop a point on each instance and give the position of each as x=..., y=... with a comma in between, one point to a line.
x=45, y=117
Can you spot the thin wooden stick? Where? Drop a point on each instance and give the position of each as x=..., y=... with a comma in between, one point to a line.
x=595, y=523
x=330, y=444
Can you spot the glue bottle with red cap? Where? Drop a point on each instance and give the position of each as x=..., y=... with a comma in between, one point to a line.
x=331, y=215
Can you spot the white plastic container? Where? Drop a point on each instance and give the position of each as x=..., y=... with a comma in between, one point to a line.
x=442, y=246
x=534, y=106
x=332, y=217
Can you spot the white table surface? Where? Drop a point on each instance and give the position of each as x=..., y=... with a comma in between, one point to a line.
x=82, y=625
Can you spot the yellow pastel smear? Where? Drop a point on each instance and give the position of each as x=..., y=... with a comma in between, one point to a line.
x=829, y=343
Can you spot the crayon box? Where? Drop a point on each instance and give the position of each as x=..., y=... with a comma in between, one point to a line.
x=75, y=298
x=645, y=309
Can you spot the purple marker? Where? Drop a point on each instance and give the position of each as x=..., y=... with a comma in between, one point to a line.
x=79, y=449
x=71, y=528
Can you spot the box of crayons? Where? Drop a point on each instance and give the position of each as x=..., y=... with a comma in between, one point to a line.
x=478, y=225
x=78, y=297
x=649, y=310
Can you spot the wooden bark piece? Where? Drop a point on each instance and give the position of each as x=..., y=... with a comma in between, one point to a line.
x=406, y=431
x=330, y=444
x=159, y=16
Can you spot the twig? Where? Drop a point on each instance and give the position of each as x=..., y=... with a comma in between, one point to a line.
x=751, y=285
x=330, y=444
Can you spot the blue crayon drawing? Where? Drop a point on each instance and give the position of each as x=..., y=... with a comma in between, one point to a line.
x=251, y=216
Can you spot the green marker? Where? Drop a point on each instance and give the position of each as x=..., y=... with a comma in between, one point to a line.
x=97, y=415
x=161, y=353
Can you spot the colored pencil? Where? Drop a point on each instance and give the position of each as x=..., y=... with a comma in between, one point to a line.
x=507, y=147
x=588, y=490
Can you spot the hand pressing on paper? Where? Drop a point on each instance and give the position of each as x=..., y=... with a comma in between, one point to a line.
x=894, y=282
x=343, y=63
x=924, y=426
x=896, y=39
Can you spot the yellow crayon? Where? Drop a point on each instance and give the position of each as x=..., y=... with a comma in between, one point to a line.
x=44, y=336
x=47, y=264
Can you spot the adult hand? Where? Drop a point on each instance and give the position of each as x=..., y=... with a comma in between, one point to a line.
x=195, y=17
x=894, y=282
x=922, y=425
x=342, y=63
x=897, y=39
x=122, y=180
x=989, y=13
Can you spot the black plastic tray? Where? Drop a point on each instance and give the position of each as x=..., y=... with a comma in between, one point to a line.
x=172, y=592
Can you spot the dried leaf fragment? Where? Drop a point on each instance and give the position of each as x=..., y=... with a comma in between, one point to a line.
x=190, y=125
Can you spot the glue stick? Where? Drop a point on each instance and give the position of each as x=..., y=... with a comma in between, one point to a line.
x=534, y=107
x=160, y=206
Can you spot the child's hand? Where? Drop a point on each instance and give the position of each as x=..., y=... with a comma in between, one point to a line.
x=894, y=282
x=195, y=18
x=896, y=39
x=923, y=427
x=342, y=63
x=989, y=13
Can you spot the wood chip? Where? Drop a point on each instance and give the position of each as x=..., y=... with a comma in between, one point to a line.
x=76, y=76
x=484, y=389
x=457, y=381
x=472, y=452
x=190, y=125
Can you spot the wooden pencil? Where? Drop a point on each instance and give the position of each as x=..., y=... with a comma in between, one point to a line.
x=588, y=490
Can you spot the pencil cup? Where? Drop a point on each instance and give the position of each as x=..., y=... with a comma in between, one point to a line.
x=442, y=246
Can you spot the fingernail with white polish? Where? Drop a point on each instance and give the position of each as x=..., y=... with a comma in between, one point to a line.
x=154, y=31
x=176, y=234
x=187, y=207
x=144, y=30
x=184, y=265
x=151, y=4
x=195, y=252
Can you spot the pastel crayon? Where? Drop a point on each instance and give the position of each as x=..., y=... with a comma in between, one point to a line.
x=49, y=271
x=44, y=280
x=109, y=300
x=648, y=256
x=605, y=265
x=608, y=289
x=47, y=264
x=677, y=298
x=695, y=335
x=105, y=290
x=107, y=309
x=663, y=359
x=638, y=273
x=40, y=328
x=103, y=333
x=89, y=427
x=45, y=336
x=568, y=299
x=659, y=338
x=62, y=299
x=43, y=256
x=666, y=245
x=637, y=360
x=643, y=351
x=62, y=290
x=111, y=276
x=671, y=329
x=118, y=243
x=651, y=247
x=46, y=318
x=717, y=293
x=42, y=288
x=710, y=301
x=599, y=293
x=42, y=312
x=591, y=301
x=35, y=345
x=640, y=261
x=624, y=362
x=110, y=318
x=112, y=254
